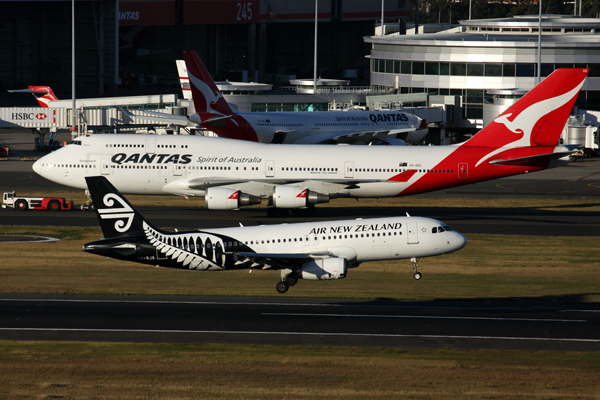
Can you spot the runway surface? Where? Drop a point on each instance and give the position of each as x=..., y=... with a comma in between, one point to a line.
x=575, y=181
x=464, y=220
x=530, y=325
x=463, y=325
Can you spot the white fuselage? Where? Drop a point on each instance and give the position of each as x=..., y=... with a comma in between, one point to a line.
x=298, y=125
x=181, y=165
x=354, y=240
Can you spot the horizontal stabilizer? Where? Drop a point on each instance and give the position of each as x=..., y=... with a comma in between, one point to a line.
x=39, y=92
x=532, y=160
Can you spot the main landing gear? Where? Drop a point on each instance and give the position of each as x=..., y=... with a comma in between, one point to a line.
x=286, y=281
x=415, y=265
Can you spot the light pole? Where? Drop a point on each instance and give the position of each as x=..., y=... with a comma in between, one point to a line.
x=74, y=125
x=315, y=56
x=539, y=65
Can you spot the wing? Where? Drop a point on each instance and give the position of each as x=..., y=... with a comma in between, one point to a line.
x=274, y=260
x=264, y=188
x=364, y=137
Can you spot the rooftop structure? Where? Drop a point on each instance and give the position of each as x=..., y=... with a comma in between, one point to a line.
x=482, y=55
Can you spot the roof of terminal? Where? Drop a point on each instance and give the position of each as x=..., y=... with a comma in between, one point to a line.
x=503, y=32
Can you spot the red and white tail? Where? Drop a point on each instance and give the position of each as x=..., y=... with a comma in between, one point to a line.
x=538, y=118
x=184, y=80
x=43, y=94
x=207, y=97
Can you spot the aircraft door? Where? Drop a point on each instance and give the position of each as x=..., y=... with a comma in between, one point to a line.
x=349, y=169
x=314, y=241
x=269, y=168
x=160, y=255
x=151, y=144
x=463, y=170
x=177, y=170
x=412, y=233
x=105, y=169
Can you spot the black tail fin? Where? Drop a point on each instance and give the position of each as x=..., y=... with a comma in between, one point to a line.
x=117, y=217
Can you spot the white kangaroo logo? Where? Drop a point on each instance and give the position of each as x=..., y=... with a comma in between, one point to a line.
x=209, y=96
x=526, y=120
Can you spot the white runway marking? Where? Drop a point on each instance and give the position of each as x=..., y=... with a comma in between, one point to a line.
x=244, y=303
x=384, y=335
x=426, y=317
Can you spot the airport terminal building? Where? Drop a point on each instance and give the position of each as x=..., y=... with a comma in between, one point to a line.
x=480, y=60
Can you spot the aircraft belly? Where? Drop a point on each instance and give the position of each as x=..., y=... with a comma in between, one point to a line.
x=378, y=189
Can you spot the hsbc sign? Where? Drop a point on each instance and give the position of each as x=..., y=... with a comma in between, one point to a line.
x=24, y=116
x=33, y=117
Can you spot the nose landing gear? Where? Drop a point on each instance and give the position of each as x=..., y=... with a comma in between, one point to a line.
x=415, y=264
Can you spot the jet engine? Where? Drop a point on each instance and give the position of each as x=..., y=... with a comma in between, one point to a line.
x=288, y=196
x=324, y=269
x=218, y=198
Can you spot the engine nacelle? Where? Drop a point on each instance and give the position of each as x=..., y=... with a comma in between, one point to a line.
x=288, y=196
x=218, y=198
x=324, y=269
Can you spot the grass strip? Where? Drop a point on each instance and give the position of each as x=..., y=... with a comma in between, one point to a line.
x=188, y=371
x=422, y=201
x=489, y=267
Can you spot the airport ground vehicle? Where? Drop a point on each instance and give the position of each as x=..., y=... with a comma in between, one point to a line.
x=11, y=200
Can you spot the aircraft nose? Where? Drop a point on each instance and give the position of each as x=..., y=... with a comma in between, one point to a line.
x=37, y=166
x=460, y=240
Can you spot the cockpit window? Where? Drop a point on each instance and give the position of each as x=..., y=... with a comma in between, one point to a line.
x=434, y=229
x=75, y=142
x=447, y=228
x=440, y=229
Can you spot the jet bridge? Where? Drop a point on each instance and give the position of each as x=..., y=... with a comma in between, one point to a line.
x=43, y=121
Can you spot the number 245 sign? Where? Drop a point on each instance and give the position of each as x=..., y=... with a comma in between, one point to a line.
x=244, y=11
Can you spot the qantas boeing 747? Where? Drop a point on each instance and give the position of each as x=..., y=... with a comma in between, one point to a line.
x=351, y=127
x=313, y=251
x=233, y=173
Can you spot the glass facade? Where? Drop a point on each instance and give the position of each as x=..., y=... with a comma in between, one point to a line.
x=473, y=99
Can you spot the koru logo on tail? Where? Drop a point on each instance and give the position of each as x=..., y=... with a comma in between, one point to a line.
x=123, y=214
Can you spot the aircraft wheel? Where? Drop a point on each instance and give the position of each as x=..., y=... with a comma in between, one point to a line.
x=282, y=286
x=291, y=280
x=417, y=276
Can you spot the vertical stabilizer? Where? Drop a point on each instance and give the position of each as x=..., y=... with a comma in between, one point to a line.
x=117, y=217
x=538, y=118
x=43, y=94
x=207, y=97
x=184, y=80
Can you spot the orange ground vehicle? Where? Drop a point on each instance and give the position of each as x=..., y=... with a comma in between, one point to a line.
x=11, y=200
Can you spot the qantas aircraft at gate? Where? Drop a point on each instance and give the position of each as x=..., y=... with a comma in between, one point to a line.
x=351, y=127
x=232, y=173
x=313, y=251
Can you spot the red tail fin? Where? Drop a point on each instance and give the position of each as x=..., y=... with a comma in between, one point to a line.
x=43, y=94
x=207, y=97
x=539, y=117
